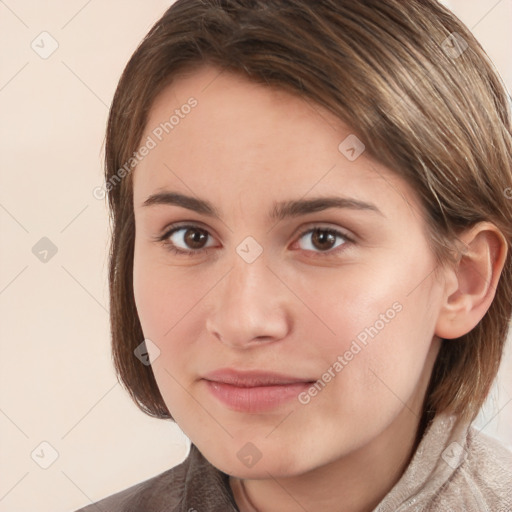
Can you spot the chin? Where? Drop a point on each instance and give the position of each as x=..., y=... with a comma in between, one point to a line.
x=253, y=461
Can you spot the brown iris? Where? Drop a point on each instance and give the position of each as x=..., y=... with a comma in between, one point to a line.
x=195, y=238
x=323, y=239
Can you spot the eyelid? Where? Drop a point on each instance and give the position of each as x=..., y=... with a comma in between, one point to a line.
x=173, y=228
x=325, y=227
x=191, y=224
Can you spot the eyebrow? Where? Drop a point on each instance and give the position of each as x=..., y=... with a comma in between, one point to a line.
x=279, y=211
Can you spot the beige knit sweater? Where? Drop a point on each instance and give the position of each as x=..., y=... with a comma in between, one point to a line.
x=453, y=470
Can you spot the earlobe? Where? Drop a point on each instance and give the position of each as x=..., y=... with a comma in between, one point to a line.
x=470, y=284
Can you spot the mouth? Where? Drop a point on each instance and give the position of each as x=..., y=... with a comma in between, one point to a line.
x=254, y=391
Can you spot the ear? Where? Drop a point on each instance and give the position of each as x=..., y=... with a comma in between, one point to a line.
x=470, y=284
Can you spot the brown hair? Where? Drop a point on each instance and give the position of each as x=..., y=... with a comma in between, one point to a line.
x=412, y=83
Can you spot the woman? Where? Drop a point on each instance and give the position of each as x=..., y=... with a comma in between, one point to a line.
x=310, y=268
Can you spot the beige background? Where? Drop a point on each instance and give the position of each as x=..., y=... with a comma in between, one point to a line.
x=56, y=379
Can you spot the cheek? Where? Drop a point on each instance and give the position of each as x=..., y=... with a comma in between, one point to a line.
x=390, y=293
x=163, y=295
x=382, y=321
x=165, y=306
x=169, y=300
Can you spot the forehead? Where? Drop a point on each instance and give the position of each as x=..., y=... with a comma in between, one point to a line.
x=244, y=138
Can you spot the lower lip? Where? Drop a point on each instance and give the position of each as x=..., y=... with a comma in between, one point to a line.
x=256, y=399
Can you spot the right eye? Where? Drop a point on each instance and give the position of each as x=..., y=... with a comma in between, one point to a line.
x=186, y=240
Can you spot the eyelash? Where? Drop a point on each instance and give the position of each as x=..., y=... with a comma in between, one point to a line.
x=164, y=239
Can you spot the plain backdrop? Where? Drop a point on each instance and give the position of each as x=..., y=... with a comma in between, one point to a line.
x=69, y=434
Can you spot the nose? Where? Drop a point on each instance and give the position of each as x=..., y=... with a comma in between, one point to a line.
x=249, y=306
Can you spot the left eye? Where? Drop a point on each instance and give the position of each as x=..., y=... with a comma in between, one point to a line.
x=322, y=239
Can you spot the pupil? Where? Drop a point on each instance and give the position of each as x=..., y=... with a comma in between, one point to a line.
x=322, y=237
x=195, y=238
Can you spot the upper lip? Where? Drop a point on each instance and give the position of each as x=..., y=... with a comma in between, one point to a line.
x=252, y=378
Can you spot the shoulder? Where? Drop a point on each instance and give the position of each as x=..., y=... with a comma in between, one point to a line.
x=455, y=467
x=483, y=479
x=195, y=484
x=152, y=495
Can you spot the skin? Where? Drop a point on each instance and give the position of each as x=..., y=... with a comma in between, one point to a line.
x=298, y=306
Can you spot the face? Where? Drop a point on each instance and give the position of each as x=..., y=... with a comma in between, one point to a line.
x=263, y=245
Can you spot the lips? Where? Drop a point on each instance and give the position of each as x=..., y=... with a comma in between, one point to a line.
x=249, y=379
x=254, y=391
